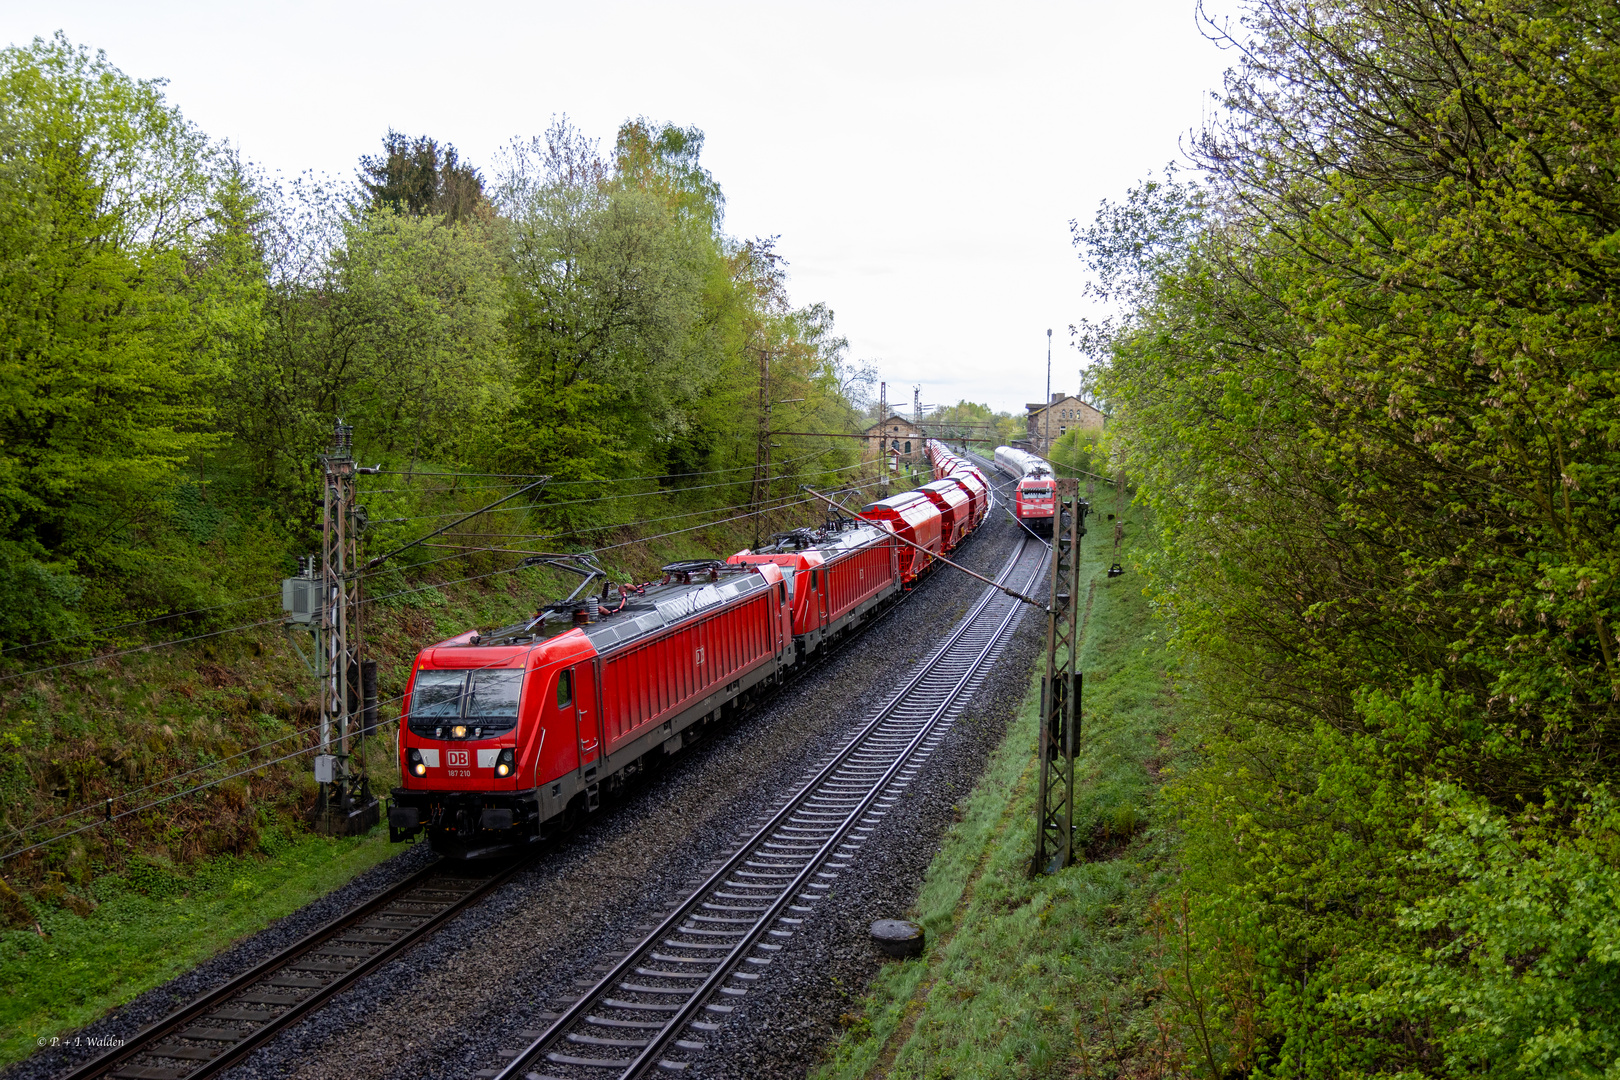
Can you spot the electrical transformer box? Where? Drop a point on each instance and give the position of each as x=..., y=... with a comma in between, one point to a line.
x=301, y=599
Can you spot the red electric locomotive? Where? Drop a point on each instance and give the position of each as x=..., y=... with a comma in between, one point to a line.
x=1036, y=501
x=838, y=577
x=1036, y=497
x=509, y=734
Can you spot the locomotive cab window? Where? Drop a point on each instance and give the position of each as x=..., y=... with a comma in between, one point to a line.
x=463, y=704
x=437, y=697
x=565, y=689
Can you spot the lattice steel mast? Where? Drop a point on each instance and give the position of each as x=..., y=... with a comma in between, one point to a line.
x=326, y=599
x=1061, y=687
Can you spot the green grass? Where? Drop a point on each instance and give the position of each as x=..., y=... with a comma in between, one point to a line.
x=91, y=922
x=1057, y=975
x=154, y=923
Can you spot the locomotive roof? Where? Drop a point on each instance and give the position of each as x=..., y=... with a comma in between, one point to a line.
x=660, y=604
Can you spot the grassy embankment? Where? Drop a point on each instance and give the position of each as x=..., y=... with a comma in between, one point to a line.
x=1059, y=975
x=152, y=924
x=93, y=921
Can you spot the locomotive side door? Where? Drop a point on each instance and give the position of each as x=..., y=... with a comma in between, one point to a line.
x=580, y=683
x=819, y=586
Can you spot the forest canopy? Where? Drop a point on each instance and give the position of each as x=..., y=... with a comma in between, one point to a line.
x=180, y=333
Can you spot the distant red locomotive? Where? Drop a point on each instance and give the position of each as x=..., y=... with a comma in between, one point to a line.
x=508, y=736
x=1035, y=501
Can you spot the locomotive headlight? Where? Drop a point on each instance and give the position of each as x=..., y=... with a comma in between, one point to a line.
x=505, y=763
x=459, y=731
x=413, y=757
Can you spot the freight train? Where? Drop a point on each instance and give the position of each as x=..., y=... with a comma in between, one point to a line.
x=1037, y=490
x=509, y=736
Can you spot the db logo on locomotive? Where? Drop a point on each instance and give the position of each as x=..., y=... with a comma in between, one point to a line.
x=457, y=757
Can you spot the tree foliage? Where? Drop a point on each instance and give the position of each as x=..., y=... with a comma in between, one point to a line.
x=121, y=297
x=418, y=177
x=1369, y=386
x=390, y=321
x=178, y=336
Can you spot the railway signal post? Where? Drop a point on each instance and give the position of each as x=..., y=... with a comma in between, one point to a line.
x=1060, y=688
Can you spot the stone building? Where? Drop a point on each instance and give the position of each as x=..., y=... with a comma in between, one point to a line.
x=894, y=436
x=1049, y=422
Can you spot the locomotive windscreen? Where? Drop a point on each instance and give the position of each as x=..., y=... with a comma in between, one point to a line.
x=462, y=703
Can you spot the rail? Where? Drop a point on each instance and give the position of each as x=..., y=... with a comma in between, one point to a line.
x=663, y=995
x=219, y=1029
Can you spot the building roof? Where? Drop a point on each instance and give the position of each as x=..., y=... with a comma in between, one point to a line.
x=894, y=420
x=1061, y=399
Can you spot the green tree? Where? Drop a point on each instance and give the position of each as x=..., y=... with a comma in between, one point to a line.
x=1369, y=388
x=121, y=302
x=393, y=322
x=417, y=177
x=605, y=295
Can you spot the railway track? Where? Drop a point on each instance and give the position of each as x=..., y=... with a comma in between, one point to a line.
x=653, y=1008
x=220, y=1028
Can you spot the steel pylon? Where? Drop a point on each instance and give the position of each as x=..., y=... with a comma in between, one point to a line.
x=345, y=804
x=1061, y=687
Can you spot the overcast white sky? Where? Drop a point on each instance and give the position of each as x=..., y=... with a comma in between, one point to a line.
x=921, y=162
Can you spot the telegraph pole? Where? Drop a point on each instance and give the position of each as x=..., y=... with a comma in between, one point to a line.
x=762, y=451
x=1061, y=687
x=883, y=439
x=1046, y=406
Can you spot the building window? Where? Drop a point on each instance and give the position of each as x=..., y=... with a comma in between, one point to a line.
x=908, y=446
x=1063, y=431
x=894, y=444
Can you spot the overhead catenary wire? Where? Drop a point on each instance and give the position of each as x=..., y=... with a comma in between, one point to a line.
x=97, y=806
x=155, y=803
x=270, y=596
x=153, y=646
x=771, y=504
x=608, y=480
x=593, y=551
x=471, y=550
x=196, y=788
x=136, y=649
x=494, y=487
x=139, y=622
x=582, y=502
x=640, y=521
